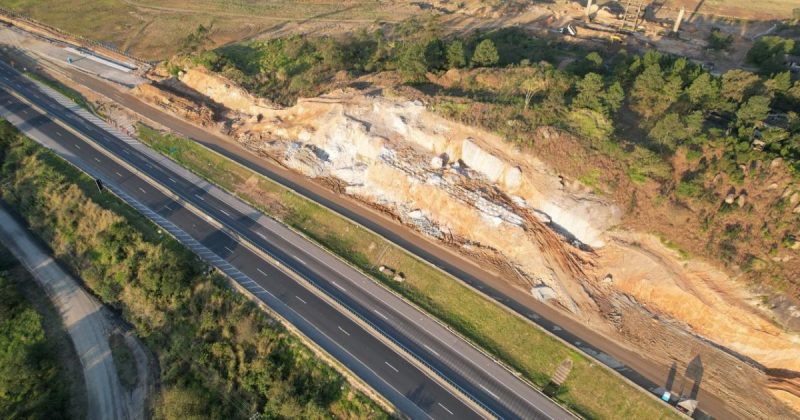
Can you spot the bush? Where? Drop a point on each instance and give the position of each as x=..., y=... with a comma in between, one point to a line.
x=718, y=40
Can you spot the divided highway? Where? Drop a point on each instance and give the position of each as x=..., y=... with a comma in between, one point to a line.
x=236, y=238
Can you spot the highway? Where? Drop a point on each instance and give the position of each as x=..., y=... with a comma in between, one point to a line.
x=249, y=243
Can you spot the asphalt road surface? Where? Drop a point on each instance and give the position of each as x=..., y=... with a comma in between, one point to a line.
x=409, y=387
x=87, y=323
x=636, y=367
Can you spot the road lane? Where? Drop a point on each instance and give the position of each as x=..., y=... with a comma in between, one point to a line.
x=500, y=390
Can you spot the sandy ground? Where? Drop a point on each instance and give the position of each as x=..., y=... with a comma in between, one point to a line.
x=88, y=324
x=59, y=54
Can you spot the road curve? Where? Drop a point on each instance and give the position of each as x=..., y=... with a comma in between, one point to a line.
x=87, y=323
x=235, y=230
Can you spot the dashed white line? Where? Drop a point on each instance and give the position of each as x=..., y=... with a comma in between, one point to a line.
x=58, y=133
x=142, y=190
x=342, y=330
x=300, y=299
x=97, y=160
x=338, y=286
x=393, y=368
x=380, y=314
x=490, y=392
x=262, y=272
x=445, y=408
x=228, y=249
x=77, y=147
x=173, y=180
x=262, y=236
x=166, y=206
x=225, y=212
x=201, y=198
x=431, y=350
x=126, y=151
x=119, y=174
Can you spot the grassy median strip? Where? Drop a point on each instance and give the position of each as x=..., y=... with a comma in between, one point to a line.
x=590, y=390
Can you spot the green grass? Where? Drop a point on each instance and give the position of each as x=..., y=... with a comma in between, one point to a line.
x=590, y=390
x=124, y=361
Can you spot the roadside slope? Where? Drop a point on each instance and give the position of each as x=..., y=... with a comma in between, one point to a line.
x=87, y=323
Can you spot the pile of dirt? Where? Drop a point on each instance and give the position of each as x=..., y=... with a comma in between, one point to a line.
x=472, y=190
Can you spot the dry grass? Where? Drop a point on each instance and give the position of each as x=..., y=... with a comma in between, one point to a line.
x=154, y=29
x=590, y=390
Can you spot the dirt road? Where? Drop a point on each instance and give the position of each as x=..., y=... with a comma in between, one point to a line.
x=88, y=323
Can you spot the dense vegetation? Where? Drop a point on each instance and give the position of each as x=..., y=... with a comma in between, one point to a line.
x=220, y=356
x=32, y=385
x=638, y=113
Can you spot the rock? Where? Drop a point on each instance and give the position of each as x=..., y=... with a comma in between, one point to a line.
x=400, y=277
x=794, y=198
x=543, y=292
x=775, y=163
x=436, y=162
x=796, y=210
x=730, y=198
x=608, y=279
x=478, y=159
x=741, y=200
x=773, y=186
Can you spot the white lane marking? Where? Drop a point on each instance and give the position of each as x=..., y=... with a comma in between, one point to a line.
x=25, y=112
x=339, y=286
x=58, y=133
x=300, y=261
x=173, y=180
x=77, y=147
x=166, y=206
x=118, y=173
x=126, y=151
x=229, y=250
x=300, y=299
x=431, y=350
x=380, y=314
x=97, y=160
x=393, y=368
x=262, y=272
x=142, y=190
x=201, y=198
x=490, y=392
x=262, y=236
x=342, y=330
x=445, y=408
x=225, y=212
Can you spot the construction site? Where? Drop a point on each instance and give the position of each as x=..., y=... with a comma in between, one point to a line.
x=514, y=210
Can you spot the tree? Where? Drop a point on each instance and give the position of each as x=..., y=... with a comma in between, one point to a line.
x=590, y=93
x=754, y=110
x=456, y=57
x=703, y=91
x=530, y=86
x=411, y=62
x=779, y=83
x=768, y=51
x=652, y=93
x=614, y=97
x=672, y=130
x=737, y=85
x=485, y=54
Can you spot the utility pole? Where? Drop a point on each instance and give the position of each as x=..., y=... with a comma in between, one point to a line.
x=678, y=21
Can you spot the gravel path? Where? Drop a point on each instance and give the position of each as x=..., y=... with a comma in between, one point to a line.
x=87, y=322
